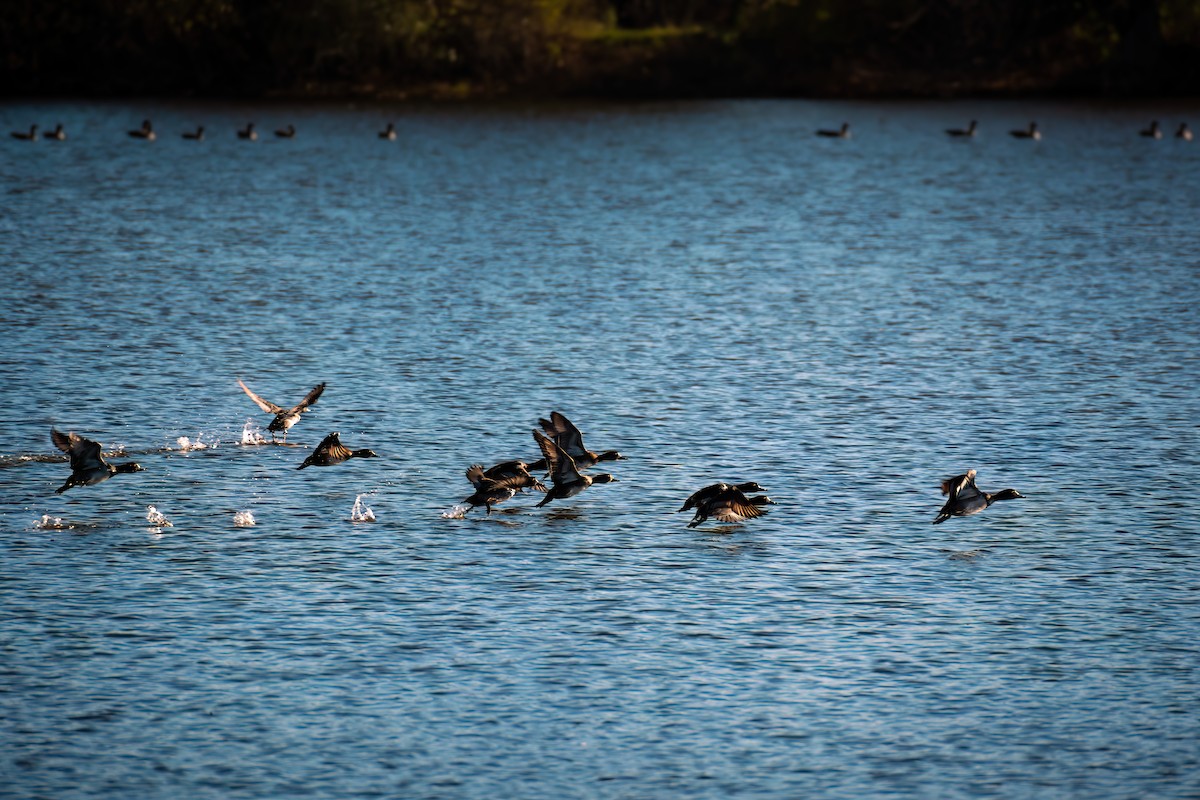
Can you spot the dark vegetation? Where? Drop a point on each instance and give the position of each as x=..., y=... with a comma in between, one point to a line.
x=627, y=48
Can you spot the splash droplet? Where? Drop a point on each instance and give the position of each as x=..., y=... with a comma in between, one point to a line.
x=456, y=512
x=361, y=511
x=243, y=519
x=251, y=434
x=157, y=519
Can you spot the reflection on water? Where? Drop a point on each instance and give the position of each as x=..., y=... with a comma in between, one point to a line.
x=709, y=289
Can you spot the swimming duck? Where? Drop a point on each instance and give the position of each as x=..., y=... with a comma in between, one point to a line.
x=841, y=133
x=388, y=133
x=1184, y=132
x=966, y=499
x=286, y=133
x=566, y=436
x=709, y=492
x=726, y=503
x=285, y=418
x=196, y=135
x=568, y=481
x=968, y=131
x=331, y=451
x=1031, y=132
x=59, y=134
x=88, y=466
x=145, y=132
x=488, y=492
x=248, y=133
x=26, y=137
x=1153, y=132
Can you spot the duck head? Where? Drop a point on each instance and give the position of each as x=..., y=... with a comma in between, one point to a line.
x=1008, y=494
x=129, y=467
x=603, y=477
x=610, y=455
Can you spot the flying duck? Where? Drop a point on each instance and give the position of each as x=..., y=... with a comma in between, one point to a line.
x=388, y=133
x=1184, y=132
x=1031, y=132
x=1153, y=132
x=331, y=451
x=145, y=132
x=568, y=481
x=514, y=474
x=248, y=132
x=26, y=137
x=88, y=466
x=196, y=135
x=59, y=134
x=841, y=133
x=568, y=438
x=286, y=133
x=285, y=418
x=488, y=492
x=966, y=499
x=967, y=131
x=727, y=503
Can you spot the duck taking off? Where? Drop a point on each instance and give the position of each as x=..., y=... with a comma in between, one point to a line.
x=727, y=503
x=285, y=418
x=567, y=437
x=331, y=451
x=568, y=481
x=966, y=499
x=88, y=466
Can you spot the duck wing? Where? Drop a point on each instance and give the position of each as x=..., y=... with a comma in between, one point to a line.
x=265, y=405
x=731, y=505
x=565, y=434
x=550, y=451
x=85, y=454
x=702, y=495
x=310, y=398
x=960, y=487
x=331, y=446
x=476, y=477
x=513, y=475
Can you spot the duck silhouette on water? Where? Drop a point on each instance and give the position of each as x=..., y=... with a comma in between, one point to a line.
x=88, y=466
x=331, y=452
x=1031, y=132
x=727, y=502
x=968, y=131
x=568, y=481
x=285, y=418
x=841, y=133
x=966, y=499
x=145, y=132
x=26, y=137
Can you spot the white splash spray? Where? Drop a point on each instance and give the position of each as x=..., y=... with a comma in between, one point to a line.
x=49, y=523
x=456, y=512
x=251, y=434
x=361, y=511
x=243, y=519
x=185, y=444
x=156, y=519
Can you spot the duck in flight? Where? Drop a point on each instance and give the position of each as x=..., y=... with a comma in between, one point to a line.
x=88, y=466
x=966, y=499
x=727, y=503
x=285, y=418
x=566, y=437
x=145, y=132
x=331, y=451
x=568, y=481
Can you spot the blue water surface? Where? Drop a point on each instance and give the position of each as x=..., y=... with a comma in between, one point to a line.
x=708, y=288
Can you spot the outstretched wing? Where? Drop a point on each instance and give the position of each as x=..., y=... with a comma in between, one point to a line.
x=269, y=407
x=85, y=454
x=61, y=440
x=549, y=451
x=308, y=400
x=702, y=495
x=332, y=447
x=566, y=435
x=475, y=475
x=732, y=505
x=960, y=487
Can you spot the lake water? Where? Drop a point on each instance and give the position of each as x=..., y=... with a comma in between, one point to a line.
x=712, y=290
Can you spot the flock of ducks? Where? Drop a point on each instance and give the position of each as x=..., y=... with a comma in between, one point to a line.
x=147, y=133
x=565, y=460
x=248, y=133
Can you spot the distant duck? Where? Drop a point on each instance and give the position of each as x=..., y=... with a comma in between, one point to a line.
x=388, y=133
x=841, y=133
x=285, y=418
x=568, y=481
x=967, y=131
x=966, y=499
x=286, y=133
x=727, y=503
x=488, y=492
x=88, y=466
x=1031, y=132
x=567, y=437
x=196, y=135
x=331, y=451
x=1184, y=132
x=1153, y=132
x=248, y=133
x=59, y=134
x=26, y=137
x=145, y=132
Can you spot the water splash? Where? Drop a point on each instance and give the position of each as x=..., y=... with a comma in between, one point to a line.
x=456, y=512
x=251, y=434
x=361, y=511
x=243, y=519
x=185, y=444
x=157, y=520
x=49, y=523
